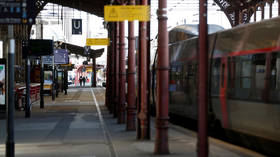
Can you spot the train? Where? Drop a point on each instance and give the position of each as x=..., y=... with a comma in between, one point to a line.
x=244, y=81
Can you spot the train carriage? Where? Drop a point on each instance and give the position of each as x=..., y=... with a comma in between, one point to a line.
x=244, y=80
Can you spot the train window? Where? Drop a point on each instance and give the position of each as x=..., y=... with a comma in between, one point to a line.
x=259, y=59
x=246, y=68
x=260, y=76
x=215, y=76
x=273, y=72
x=190, y=70
x=278, y=73
x=259, y=72
x=231, y=72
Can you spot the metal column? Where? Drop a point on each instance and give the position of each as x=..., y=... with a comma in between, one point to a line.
x=131, y=102
x=143, y=68
x=117, y=71
x=53, y=81
x=122, y=75
x=278, y=8
x=202, y=81
x=42, y=84
x=148, y=76
x=93, y=81
x=27, y=95
x=268, y=58
x=65, y=80
x=108, y=71
x=10, y=144
x=161, y=139
x=56, y=82
x=112, y=67
x=138, y=103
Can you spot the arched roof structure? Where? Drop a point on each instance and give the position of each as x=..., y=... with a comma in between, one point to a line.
x=240, y=11
x=237, y=11
x=95, y=7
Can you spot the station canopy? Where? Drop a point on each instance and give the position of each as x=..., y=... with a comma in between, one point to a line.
x=95, y=7
x=78, y=50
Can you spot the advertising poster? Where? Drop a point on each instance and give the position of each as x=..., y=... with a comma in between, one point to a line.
x=2, y=82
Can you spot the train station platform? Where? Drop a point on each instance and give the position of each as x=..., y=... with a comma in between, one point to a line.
x=78, y=125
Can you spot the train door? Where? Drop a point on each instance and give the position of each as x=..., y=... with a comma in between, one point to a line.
x=223, y=90
x=215, y=78
x=274, y=78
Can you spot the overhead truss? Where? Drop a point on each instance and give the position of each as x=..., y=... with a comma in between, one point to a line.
x=240, y=11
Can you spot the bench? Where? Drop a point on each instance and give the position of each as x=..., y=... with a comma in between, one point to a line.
x=20, y=92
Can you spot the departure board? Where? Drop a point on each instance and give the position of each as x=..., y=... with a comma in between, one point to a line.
x=17, y=11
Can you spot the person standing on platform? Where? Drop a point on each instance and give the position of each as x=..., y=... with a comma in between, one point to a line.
x=84, y=81
x=81, y=79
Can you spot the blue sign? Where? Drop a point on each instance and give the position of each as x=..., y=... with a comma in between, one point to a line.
x=61, y=56
x=47, y=59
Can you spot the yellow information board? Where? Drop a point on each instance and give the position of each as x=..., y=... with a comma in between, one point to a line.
x=97, y=41
x=66, y=65
x=128, y=12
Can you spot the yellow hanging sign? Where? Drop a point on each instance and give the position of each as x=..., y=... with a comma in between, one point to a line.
x=126, y=12
x=97, y=41
x=66, y=65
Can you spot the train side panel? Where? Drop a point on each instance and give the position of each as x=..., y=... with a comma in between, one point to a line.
x=244, y=79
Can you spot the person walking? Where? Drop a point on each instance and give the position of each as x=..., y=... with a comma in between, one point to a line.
x=81, y=79
x=84, y=81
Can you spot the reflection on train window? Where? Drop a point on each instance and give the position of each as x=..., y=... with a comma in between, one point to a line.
x=176, y=76
x=273, y=71
x=190, y=70
x=215, y=77
x=259, y=63
x=246, y=74
x=231, y=72
x=278, y=72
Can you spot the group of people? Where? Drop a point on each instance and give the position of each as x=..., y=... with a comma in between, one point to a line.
x=82, y=80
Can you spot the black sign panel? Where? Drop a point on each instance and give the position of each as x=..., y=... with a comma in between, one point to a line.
x=37, y=47
x=17, y=11
x=76, y=26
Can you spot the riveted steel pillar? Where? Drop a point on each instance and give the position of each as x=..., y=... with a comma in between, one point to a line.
x=236, y=17
x=278, y=8
x=148, y=76
x=42, y=84
x=131, y=102
x=27, y=96
x=56, y=82
x=161, y=139
x=202, y=81
x=65, y=80
x=270, y=10
x=122, y=75
x=143, y=54
x=117, y=71
x=109, y=71
x=10, y=143
x=112, y=67
x=53, y=80
x=266, y=91
x=93, y=72
x=138, y=103
x=262, y=11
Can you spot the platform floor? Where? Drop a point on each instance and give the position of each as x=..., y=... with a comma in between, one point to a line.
x=78, y=125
